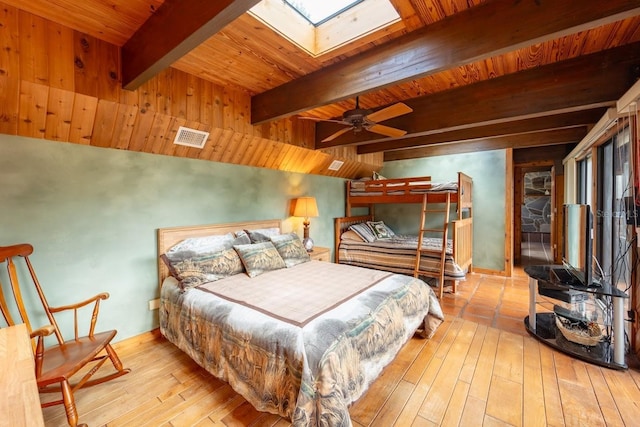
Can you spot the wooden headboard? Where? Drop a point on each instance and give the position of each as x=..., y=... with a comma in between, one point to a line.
x=340, y=225
x=168, y=237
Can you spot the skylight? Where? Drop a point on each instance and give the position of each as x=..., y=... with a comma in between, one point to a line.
x=322, y=26
x=317, y=12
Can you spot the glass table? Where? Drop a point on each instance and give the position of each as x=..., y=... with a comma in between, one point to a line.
x=610, y=351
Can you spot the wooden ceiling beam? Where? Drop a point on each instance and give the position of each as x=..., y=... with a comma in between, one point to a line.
x=537, y=124
x=535, y=139
x=582, y=83
x=176, y=28
x=460, y=39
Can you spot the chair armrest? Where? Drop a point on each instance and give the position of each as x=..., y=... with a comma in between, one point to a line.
x=43, y=331
x=100, y=296
x=38, y=350
x=94, y=317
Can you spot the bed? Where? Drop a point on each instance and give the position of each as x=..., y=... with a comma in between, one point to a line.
x=399, y=254
x=284, y=347
x=396, y=254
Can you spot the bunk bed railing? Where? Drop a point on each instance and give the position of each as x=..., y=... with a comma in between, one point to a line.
x=465, y=188
x=463, y=242
x=394, y=186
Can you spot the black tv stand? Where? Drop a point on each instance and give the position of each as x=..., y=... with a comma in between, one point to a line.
x=563, y=277
x=570, y=315
x=609, y=352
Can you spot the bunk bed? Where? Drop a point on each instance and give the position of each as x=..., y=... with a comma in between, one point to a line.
x=448, y=262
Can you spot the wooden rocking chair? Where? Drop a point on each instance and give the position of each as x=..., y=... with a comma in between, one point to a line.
x=55, y=365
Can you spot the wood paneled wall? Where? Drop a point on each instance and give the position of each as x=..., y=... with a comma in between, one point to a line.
x=63, y=85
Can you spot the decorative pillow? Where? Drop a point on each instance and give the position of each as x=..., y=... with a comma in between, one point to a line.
x=351, y=235
x=364, y=231
x=379, y=230
x=240, y=233
x=269, y=232
x=259, y=258
x=203, y=244
x=389, y=230
x=242, y=239
x=193, y=269
x=256, y=236
x=291, y=249
x=259, y=235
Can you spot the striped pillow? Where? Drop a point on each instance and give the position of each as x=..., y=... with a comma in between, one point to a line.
x=364, y=231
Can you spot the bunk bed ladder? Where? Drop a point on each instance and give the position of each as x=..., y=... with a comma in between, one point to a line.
x=426, y=209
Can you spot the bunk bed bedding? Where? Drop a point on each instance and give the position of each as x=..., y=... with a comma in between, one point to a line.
x=367, y=187
x=285, y=357
x=367, y=192
x=398, y=254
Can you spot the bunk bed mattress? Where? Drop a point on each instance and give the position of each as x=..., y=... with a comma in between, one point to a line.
x=359, y=188
x=398, y=255
x=307, y=367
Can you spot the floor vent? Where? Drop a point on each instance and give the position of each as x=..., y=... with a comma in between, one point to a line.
x=191, y=137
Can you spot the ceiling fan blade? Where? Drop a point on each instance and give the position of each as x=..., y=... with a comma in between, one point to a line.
x=386, y=130
x=315, y=119
x=389, y=112
x=337, y=134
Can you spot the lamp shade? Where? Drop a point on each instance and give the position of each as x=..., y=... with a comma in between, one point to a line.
x=306, y=207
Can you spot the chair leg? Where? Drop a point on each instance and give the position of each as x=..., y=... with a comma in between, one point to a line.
x=69, y=403
x=117, y=364
x=114, y=357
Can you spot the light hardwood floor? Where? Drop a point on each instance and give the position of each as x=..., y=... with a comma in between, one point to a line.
x=481, y=368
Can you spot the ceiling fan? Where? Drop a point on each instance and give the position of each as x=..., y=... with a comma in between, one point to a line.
x=360, y=118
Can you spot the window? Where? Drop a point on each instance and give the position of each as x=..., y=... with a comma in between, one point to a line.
x=317, y=12
x=615, y=210
x=584, y=181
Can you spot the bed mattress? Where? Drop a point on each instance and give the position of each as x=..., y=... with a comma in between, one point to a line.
x=398, y=255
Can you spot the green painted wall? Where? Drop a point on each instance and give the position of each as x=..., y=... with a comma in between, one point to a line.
x=92, y=215
x=487, y=169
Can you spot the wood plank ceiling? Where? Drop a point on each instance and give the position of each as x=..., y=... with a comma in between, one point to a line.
x=477, y=74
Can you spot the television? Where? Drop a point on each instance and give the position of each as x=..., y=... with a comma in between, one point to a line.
x=577, y=248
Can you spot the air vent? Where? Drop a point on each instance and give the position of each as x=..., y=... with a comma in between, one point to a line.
x=191, y=137
x=336, y=165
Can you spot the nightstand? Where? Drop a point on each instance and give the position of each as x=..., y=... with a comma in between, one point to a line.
x=320, y=254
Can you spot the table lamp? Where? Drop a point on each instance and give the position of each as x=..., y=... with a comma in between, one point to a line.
x=306, y=207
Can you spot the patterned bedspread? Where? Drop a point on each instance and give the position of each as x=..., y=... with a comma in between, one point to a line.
x=308, y=371
x=398, y=255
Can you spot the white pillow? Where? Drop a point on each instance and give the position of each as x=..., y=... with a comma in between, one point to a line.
x=204, y=244
x=351, y=235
